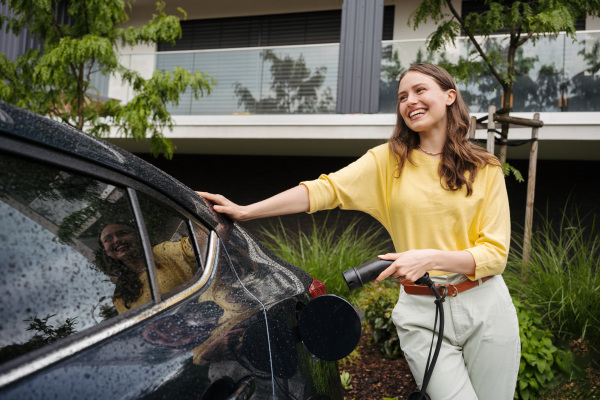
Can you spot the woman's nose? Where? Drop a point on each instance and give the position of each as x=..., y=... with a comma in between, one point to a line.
x=411, y=99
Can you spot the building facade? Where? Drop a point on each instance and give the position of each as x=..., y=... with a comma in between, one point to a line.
x=318, y=77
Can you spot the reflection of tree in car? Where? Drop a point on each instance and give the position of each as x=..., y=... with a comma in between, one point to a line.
x=44, y=334
x=122, y=259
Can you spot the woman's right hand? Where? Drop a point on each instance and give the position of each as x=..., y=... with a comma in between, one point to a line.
x=291, y=201
x=223, y=205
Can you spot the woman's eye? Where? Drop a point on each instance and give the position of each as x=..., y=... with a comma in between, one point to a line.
x=121, y=234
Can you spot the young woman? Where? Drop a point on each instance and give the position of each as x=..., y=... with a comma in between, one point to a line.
x=443, y=200
x=121, y=257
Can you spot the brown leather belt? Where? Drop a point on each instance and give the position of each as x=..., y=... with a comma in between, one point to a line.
x=452, y=290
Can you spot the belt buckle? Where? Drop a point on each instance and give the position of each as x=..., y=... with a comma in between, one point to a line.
x=455, y=293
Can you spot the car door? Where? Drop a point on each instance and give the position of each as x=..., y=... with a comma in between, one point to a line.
x=73, y=326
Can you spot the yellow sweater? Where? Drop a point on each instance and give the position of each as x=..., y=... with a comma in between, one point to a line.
x=176, y=264
x=418, y=212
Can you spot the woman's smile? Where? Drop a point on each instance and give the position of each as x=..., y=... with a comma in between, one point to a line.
x=417, y=113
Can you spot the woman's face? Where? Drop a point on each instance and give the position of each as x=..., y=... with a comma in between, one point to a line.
x=121, y=243
x=423, y=103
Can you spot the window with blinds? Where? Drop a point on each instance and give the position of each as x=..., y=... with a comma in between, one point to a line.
x=267, y=30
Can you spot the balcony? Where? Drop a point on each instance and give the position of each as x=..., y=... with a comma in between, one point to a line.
x=555, y=75
x=274, y=80
x=282, y=100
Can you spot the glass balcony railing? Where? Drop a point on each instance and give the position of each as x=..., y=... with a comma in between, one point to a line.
x=554, y=75
x=278, y=80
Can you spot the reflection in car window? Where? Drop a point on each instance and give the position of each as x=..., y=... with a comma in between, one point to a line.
x=172, y=248
x=58, y=276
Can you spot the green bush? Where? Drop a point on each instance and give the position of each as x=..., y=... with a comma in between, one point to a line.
x=541, y=361
x=562, y=278
x=328, y=249
x=378, y=303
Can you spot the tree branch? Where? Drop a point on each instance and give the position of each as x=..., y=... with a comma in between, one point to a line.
x=477, y=46
x=526, y=38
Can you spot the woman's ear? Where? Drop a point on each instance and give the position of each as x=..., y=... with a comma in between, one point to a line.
x=451, y=93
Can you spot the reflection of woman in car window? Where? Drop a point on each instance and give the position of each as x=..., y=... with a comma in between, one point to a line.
x=123, y=260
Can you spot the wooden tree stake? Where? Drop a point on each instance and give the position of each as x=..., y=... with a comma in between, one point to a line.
x=530, y=192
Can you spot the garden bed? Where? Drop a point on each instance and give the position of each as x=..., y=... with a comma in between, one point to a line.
x=374, y=377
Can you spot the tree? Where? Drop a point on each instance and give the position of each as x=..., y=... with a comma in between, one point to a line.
x=56, y=81
x=521, y=20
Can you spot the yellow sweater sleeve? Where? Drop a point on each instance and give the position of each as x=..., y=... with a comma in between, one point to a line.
x=359, y=186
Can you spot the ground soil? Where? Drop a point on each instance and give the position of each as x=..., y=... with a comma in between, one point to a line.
x=374, y=377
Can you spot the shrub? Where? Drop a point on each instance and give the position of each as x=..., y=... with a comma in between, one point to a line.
x=327, y=250
x=378, y=303
x=562, y=278
x=541, y=361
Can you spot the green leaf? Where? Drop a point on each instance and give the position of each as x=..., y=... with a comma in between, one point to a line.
x=542, y=365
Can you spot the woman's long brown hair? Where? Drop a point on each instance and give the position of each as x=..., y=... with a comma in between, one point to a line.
x=460, y=159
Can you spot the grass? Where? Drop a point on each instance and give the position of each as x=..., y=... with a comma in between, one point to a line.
x=561, y=278
x=327, y=249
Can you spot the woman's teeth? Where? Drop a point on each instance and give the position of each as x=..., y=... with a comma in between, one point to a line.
x=416, y=112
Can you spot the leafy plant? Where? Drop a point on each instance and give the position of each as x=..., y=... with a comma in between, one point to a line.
x=327, y=250
x=346, y=380
x=562, y=277
x=57, y=81
x=509, y=169
x=541, y=361
x=378, y=303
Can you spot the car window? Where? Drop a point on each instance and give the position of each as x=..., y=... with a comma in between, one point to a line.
x=70, y=256
x=172, y=244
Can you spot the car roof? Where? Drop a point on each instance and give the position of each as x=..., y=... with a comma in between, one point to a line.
x=44, y=131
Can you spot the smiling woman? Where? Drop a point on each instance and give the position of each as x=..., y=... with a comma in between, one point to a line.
x=123, y=258
x=446, y=210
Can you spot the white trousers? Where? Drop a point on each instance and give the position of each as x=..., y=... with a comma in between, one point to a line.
x=480, y=353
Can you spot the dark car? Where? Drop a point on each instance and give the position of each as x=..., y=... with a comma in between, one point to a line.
x=117, y=281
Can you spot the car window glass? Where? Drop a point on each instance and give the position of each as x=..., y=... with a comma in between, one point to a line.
x=58, y=276
x=172, y=248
